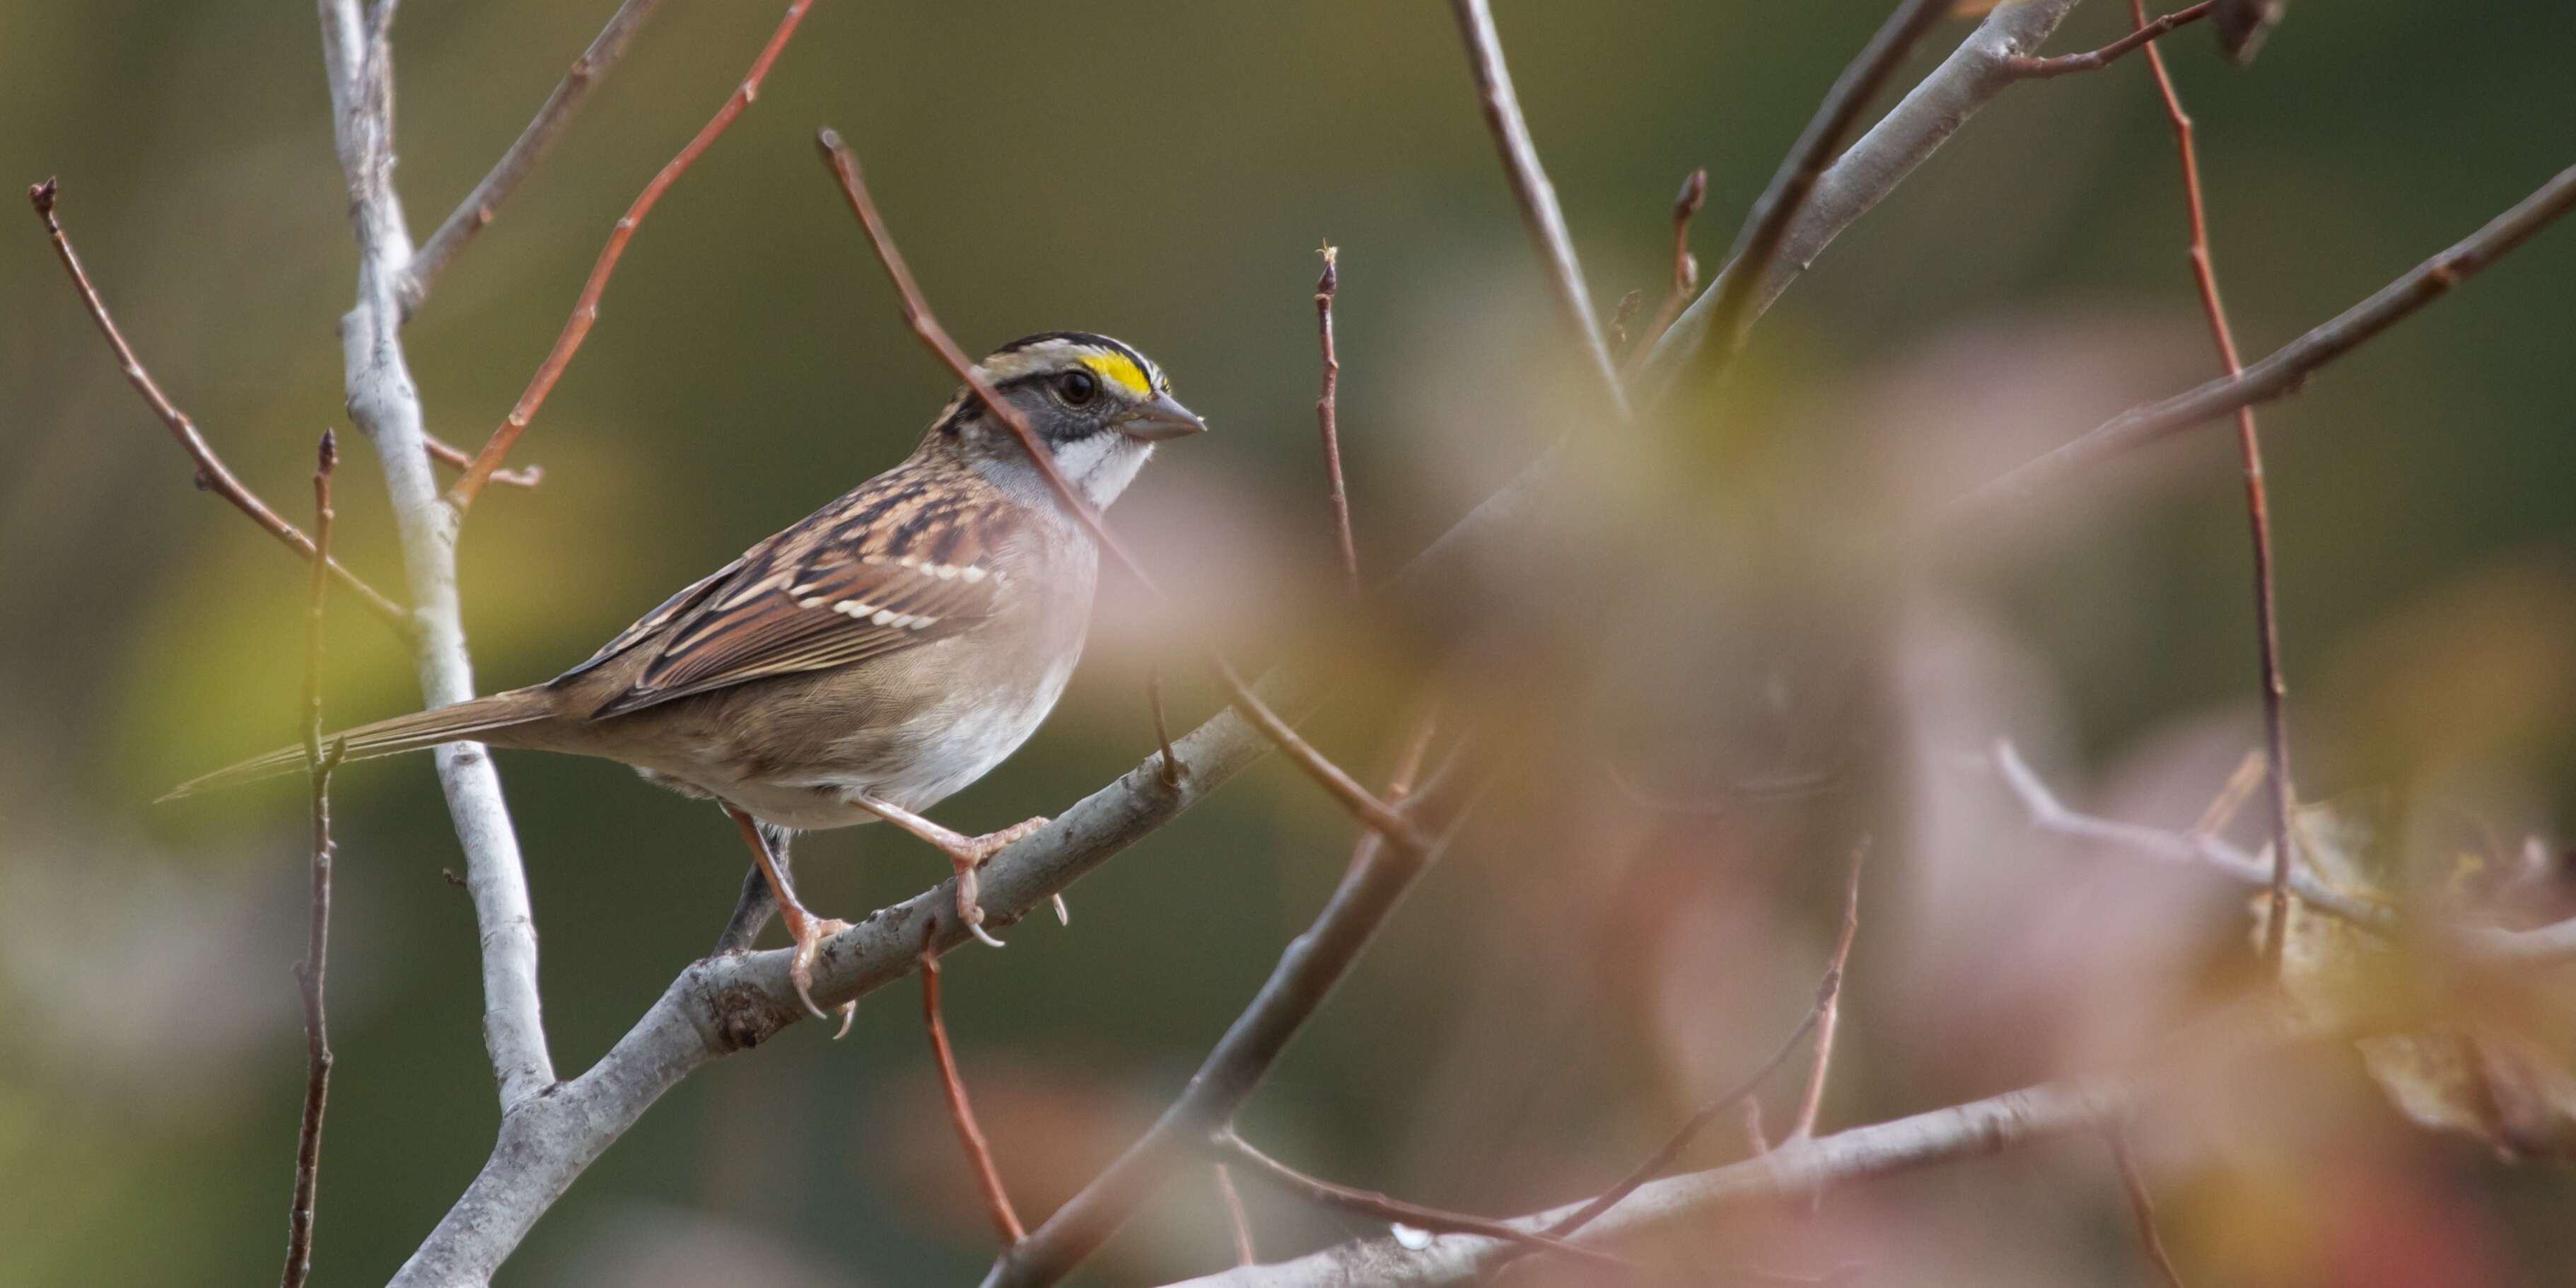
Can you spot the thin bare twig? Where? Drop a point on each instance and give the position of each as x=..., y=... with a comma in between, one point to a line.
x=1654, y=1166
x=2258, y=511
x=1766, y=229
x=1685, y=280
x=1325, y=286
x=476, y=212
x=1371, y=1203
x=1240, y=1221
x=844, y=165
x=1829, y=999
x=2049, y=814
x=211, y=474
x=1540, y=213
x=2142, y=1206
x=2094, y=60
x=446, y=453
x=961, y=1113
x=319, y=763
x=1309, y=968
x=2494, y=945
x=2288, y=367
x=2232, y=795
x=585, y=308
x=1169, y=769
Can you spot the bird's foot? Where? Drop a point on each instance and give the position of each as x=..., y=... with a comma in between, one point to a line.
x=810, y=932
x=970, y=855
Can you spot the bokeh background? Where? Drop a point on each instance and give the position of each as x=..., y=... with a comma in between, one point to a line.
x=1627, y=926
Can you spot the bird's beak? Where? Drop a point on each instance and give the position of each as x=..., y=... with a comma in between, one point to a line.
x=1160, y=419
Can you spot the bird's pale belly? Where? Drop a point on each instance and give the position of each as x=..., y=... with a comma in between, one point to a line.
x=913, y=764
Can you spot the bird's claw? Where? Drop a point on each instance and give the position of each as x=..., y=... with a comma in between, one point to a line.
x=970, y=908
x=810, y=934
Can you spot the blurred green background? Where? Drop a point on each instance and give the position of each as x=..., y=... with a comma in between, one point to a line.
x=1162, y=172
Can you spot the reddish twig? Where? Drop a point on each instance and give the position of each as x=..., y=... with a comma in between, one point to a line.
x=317, y=933
x=446, y=453
x=2142, y=1206
x=1767, y=227
x=1324, y=418
x=1371, y=1203
x=844, y=165
x=212, y=476
x=476, y=212
x=2289, y=366
x=2093, y=60
x=1829, y=998
x=1241, y=1222
x=585, y=309
x=1694, y=194
x=988, y=1178
x=2258, y=514
x=1170, y=769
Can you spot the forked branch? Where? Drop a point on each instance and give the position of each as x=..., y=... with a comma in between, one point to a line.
x=585, y=308
x=476, y=212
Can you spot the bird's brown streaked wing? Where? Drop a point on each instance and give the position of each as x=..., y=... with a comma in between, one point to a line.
x=671, y=609
x=889, y=566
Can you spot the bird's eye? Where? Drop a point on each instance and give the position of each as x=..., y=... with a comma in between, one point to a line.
x=1077, y=387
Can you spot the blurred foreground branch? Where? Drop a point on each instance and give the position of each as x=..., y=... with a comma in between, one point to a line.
x=2014, y=1120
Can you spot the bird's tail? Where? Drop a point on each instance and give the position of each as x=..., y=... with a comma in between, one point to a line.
x=415, y=732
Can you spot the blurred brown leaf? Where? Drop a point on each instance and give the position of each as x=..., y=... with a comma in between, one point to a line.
x=2482, y=1075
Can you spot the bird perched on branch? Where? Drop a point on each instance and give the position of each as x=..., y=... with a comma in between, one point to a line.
x=864, y=664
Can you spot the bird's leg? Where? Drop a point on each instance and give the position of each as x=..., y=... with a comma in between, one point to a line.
x=753, y=908
x=967, y=853
x=808, y=930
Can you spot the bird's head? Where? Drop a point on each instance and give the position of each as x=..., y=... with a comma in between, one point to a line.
x=1099, y=407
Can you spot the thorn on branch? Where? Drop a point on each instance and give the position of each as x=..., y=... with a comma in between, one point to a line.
x=1169, y=770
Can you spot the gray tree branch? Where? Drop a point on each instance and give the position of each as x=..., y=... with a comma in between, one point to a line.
x=357, y=54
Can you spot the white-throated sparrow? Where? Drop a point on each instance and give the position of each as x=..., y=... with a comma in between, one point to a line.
x=881, y=654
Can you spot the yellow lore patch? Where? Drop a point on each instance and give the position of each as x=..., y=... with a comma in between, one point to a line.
x=1118, y=367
